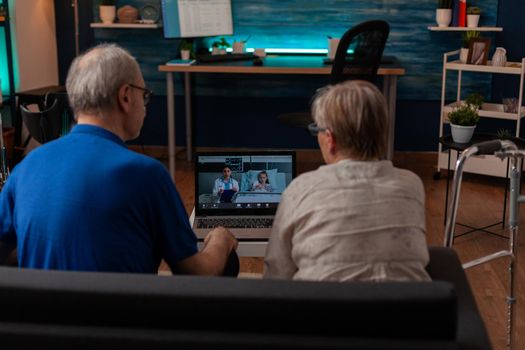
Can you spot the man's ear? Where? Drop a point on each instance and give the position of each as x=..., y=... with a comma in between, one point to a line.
x=123, y=98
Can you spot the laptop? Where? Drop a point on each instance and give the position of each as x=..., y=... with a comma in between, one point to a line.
x=245, y=207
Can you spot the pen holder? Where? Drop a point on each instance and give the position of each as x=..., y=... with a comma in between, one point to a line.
x=238, y=47
x=332, y=48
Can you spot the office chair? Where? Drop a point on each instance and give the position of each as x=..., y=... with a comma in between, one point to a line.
x=357, y=57
x=66, y=113
x=44, y=125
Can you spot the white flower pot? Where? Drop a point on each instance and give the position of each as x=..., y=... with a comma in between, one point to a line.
x=472, y=21
x=107, y=13
x=443, y=17
x=185, y=54
x=462, y=134
x=463, y=55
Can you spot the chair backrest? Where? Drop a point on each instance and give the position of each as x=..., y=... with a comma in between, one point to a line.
x=65, y=110
x=359, y=52
x=44, y=125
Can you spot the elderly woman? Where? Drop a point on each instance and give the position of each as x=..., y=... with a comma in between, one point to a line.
x=357, y=217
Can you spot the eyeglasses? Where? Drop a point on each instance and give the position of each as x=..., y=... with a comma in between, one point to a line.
x=314, y=129
x=146, y=95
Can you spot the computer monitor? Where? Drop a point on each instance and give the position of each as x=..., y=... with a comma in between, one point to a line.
x=196, y=18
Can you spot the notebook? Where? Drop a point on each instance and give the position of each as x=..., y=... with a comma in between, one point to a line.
x=243, y=207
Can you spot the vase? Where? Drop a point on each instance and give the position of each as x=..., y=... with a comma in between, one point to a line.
x=463, y=55
x=472, y=21
x=185, y=54
x=443, y=17
x=462, y=134
x=107, y=13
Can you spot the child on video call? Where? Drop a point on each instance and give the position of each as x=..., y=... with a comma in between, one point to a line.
x=263, y=183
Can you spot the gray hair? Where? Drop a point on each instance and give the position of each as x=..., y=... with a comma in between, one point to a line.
x=95, y=77
x=355, y=112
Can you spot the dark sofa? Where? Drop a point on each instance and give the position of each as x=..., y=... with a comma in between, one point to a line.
x=75, y=310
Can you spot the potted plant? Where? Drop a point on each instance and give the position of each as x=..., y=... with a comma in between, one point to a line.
x=444, y=13
x=475, y=100
x=186, y=48
x=504, y=134
x=463, y=121
x=473, y=14
x=468, y=36
x=107, y=11
x=219, y=46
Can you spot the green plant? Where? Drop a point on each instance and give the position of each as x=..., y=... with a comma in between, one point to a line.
x=107, y=2
x=504, y=134
x=186, y=45
x=221, y=43
x=475, y=100
x=464, y=116
x=473, y=10
x=444, y=4
x=468, y=36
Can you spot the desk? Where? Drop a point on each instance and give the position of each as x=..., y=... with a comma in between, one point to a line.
x=306, y=65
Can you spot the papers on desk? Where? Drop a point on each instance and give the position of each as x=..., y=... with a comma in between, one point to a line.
x=179, y=62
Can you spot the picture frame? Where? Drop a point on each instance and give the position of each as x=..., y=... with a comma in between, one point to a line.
x=478, y=51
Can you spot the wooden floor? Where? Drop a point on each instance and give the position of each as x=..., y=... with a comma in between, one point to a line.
x=481, y=204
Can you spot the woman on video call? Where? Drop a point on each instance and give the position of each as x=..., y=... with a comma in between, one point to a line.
x=225, y=183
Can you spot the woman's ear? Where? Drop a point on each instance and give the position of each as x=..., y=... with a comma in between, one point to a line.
x=331, y=141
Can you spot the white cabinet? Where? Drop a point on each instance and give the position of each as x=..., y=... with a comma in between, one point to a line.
x=487, y=165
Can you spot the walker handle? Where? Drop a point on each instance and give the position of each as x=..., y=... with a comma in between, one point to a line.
x=488, y=147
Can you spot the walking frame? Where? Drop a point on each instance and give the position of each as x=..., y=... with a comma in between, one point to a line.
x=501, y=149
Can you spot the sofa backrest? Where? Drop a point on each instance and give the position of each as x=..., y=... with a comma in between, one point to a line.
x=89, y=310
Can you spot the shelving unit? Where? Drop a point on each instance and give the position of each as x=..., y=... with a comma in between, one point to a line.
x=464, y=29
x=5, y=24
x=488, y=165
x=126, y=25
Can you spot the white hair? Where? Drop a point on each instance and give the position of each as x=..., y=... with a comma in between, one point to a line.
x=355, y=112
x=95, y=76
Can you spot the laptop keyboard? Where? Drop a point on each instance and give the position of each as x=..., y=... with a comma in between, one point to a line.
x=235, y=222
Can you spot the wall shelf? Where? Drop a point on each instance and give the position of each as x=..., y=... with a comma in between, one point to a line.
x=464, y=29
x=127, y=25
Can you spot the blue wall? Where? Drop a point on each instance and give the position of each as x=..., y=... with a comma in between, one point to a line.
x=230, y=110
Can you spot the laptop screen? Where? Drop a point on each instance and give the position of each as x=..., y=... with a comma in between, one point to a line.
x=242, y=182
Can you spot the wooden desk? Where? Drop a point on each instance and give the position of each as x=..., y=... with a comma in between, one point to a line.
x=307, y=65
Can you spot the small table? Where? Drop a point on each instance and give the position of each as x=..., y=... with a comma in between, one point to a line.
x=447, y=141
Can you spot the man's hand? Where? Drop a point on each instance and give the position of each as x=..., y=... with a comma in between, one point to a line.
x=221, y=235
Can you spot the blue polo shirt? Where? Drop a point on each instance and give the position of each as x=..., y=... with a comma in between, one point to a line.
x=85, y=202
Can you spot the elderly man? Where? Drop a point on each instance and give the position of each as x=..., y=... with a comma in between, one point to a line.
x=358, y=217
x=85, y=202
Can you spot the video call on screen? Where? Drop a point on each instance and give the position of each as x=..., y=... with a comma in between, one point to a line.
x=260, y=181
